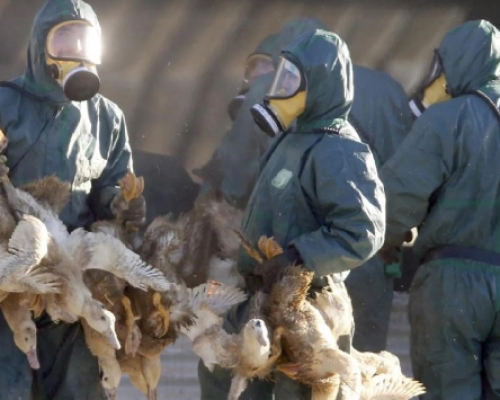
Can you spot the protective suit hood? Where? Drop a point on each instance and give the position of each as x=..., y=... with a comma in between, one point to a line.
x=267, y=46
x=471, y=56
x=37, y=78
x=291, y=31
x=325, y=62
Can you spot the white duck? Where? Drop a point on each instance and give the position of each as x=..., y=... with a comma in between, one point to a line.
x=249, y=354
x=66, y=257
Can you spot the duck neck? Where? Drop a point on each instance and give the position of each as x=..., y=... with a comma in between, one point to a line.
x=253, y=353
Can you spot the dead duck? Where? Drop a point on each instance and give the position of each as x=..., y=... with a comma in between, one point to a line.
x=110, y=372
x=249, y=354
x=64, y=259
x=111, y=242
x=311, y=327
x=17, y=314
x=258, y=353
x=203, y=245
x=161, y=325
x=307, y=340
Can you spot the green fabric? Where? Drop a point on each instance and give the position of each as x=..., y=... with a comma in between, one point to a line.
x=371, y=293
x=323, y=57
x=234, y=166
x=68, y=371
x=443, y=176
x=380, y=112
x=382, y=118
x=471, y=57
x=84, y=143
x=455, y=330
x=291, y=30
x=335, y=224
x=267, y=46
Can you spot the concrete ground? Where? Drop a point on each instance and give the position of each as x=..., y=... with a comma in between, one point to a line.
x=179, y=380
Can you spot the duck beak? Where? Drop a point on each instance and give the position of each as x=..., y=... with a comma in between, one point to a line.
x=152, y=394
x=33, y=358
x=113, y=339
x=111, y=393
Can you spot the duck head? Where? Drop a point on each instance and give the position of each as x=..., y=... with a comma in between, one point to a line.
x=256, y=336
x=101, y=320
x=110, y=376
x=25, y=339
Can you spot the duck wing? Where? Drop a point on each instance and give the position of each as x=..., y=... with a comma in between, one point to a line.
x=98, y=250
x=391, y=387
x=216, y=297
x=20, y=268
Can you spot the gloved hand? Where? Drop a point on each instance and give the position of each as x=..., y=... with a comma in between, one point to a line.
x=389, y=254
x=269, y=270
x=132, y=214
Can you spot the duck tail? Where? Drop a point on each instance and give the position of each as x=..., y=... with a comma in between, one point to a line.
x=215, y=296
x=389, y=386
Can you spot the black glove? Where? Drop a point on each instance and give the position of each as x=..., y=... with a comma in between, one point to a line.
x=389, y=254
x=131, y=214
x=270, y=270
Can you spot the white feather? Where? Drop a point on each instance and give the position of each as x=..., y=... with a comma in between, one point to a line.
x=205, y=320
x=218, y=298
x=27, y=246
x=109, y=254
x=24, y=203
x=224, y=270
x=391, y=387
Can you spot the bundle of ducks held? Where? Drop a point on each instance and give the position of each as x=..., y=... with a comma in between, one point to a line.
x=135, y=294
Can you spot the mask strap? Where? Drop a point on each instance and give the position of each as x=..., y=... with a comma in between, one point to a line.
x=23, y=91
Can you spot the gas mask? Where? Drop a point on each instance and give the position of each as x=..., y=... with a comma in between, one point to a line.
x=257, y=64
x=284, y=102
x=73, y=50
x=433, y=90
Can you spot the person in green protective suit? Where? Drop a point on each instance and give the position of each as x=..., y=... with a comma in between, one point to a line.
x=236, y=185
x=382, y=118
x=445, y=179
x=57, y=124
x=318, y=193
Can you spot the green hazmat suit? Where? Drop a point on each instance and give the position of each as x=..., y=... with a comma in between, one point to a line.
x=85, y=144
x=335, y=224
x=445, y=179
x=330, y=205
x=382, y=118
